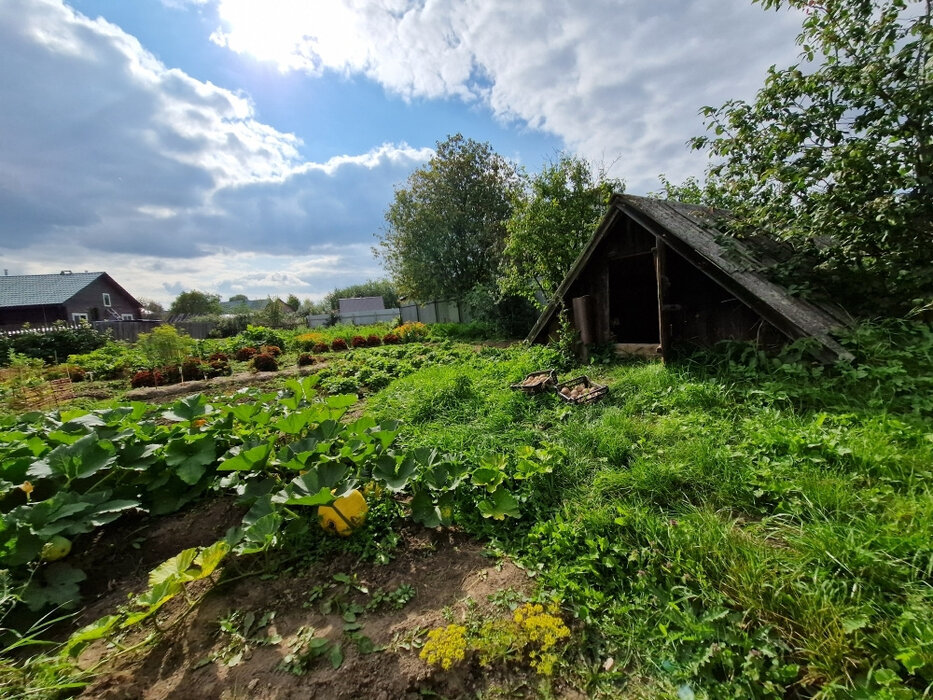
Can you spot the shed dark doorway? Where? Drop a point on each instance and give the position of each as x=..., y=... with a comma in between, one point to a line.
x=633, y=299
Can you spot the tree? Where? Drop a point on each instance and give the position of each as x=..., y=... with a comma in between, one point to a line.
x=151, y=305
x=445, y=229
x=835, y=154
x=371, y=288
x=551, y=225
x=195, y=303
x=293, y=301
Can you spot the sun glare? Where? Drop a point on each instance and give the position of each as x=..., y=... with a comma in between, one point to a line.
x=291, y=33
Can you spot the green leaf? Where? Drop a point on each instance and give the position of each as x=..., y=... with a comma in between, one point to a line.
x=501, y=505
x=188, y=408
x=252, y=459
x=82, y=459
x=60, y=589
x=335, y=656
x=175, y=568
x=209, y=559
x=191, y=455
x=96, y=630
x=394, y=472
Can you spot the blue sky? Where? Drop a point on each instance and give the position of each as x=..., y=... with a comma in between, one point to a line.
x=252, y=146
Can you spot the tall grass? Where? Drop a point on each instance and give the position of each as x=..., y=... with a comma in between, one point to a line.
x=739, y=525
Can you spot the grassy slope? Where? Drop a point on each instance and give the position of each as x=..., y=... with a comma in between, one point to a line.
x=764, y=528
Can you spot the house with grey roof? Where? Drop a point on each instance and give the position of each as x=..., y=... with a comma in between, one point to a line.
x=67, y=296
x=660, y=274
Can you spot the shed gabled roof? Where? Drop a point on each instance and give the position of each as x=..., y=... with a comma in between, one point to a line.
x=42, y=290
x=735, y=264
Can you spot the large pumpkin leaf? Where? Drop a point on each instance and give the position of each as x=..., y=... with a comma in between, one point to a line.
x=190, y=456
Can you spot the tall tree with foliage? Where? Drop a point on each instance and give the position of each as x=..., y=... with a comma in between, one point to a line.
x=196, y=303
x=551, y=224
x=445, y=229
x=836, y=153
x=371, y=288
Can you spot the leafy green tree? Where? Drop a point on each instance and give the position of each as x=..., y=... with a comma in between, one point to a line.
x=551, y=224
x=195, y=303
x=445, y=230
x=371, y=288
x=293, y=301
x=165, y=345
x=835, y=154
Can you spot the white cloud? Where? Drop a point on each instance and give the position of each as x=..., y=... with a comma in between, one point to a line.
x=110, y=155
x=619, y=80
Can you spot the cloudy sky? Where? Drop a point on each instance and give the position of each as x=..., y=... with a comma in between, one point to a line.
x=252, y=146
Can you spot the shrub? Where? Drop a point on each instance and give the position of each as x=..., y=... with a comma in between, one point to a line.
x=358, y=341
x=305, y=359
x=320, y=347
x=264, y=362
x=308, y=341
x=412, y=332
x=373, y=340
x=260, y=335
x=193, y=368
x=273, y=350
x=171, y=374
x=219, y=357
x=164, y=346
x=218, y=368
x=113, y=360
x=246, y=353
x=391, y=339
x=56, y=345
x=146, y=377
x=338, y=344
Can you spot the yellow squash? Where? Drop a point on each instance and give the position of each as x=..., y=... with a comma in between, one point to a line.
x=345, y=514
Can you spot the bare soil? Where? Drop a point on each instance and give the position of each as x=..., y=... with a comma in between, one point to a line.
x=451, y=576
x=159, y=393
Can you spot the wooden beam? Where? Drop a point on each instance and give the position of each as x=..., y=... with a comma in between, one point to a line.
x=660, y=267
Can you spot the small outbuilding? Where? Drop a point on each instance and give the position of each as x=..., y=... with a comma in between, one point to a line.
x=659, y=274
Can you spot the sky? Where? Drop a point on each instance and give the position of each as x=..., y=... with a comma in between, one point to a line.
x=253, y=146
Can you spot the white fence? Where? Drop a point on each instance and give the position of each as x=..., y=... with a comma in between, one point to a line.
x=447, y=311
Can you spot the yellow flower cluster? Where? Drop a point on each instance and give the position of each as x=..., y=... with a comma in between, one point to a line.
x=306, y=341
x=445, y=645
x=413, y=331
x=532, y=633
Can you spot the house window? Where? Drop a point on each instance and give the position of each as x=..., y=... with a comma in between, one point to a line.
x=126, y=317
x=106, y=299
x=78, y=317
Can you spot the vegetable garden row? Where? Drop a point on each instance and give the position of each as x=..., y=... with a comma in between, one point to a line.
x=743, y=526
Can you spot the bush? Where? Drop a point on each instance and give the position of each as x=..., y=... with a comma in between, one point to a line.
x=391, y=339
x=338, y=344
x=114, y=360
x=164, y=345
x=258, y=336
x=308, y=341
x=264, y=362
x=219, y=357
x=218, y=368
x=305, y=359
x=273, y=350
x=171, y=374
x=194, y=368
x=358, y=341
x=56, y=345
x=412, y=332
x=373, y=340
x=146, y=377
x=73, y=372
x=245, y=354
x=320, y=347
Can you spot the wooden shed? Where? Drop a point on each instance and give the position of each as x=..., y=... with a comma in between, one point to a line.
x=658, y=274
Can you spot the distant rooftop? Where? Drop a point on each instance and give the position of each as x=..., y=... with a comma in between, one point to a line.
x=42, y=290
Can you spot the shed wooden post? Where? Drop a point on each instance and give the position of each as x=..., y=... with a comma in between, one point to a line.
x=660, y=259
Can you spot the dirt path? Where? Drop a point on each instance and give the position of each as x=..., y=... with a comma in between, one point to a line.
x=219, y=384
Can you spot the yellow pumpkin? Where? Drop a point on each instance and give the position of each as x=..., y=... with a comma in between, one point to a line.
x=345, y=514
x=56, y=548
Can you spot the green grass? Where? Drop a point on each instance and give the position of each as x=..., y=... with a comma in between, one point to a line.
x=754, y=528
